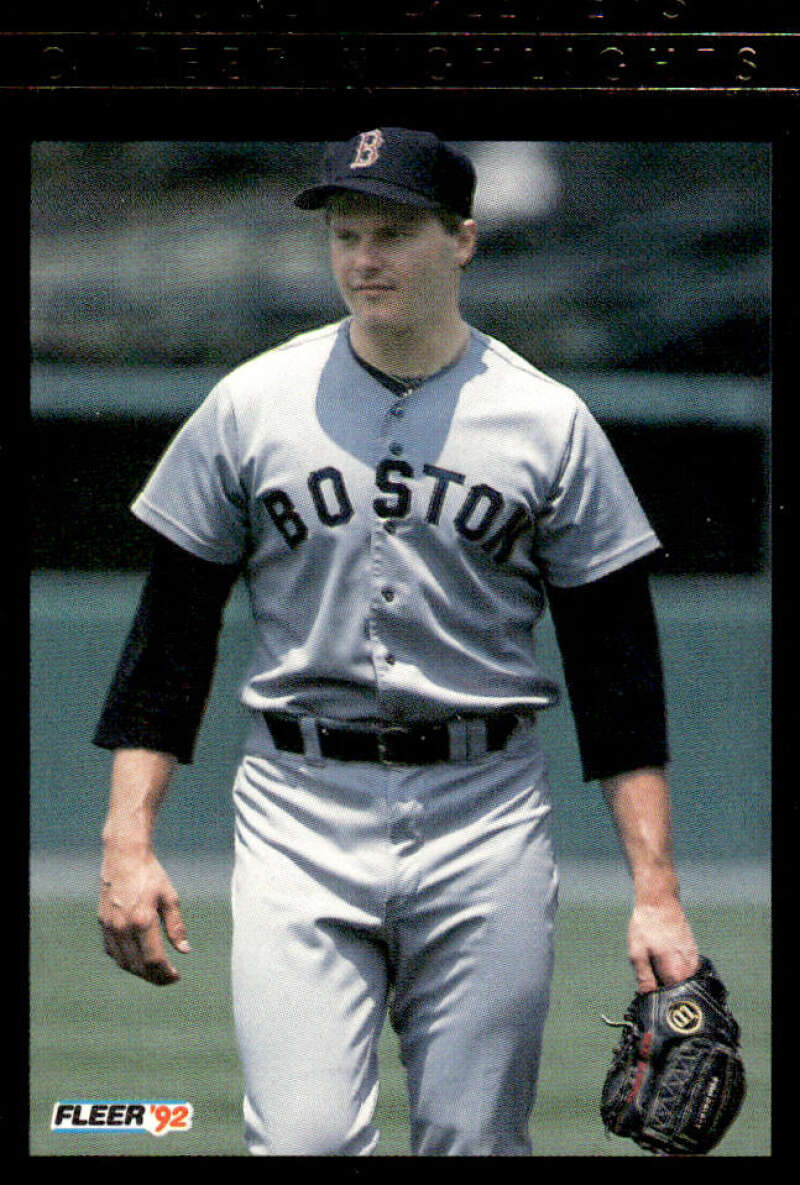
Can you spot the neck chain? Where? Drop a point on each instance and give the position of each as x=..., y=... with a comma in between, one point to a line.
x=408, y=380
x=411, y=381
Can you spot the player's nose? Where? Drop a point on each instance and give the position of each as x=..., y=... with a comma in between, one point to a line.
x=367, y=255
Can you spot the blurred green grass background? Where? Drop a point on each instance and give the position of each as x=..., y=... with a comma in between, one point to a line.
x=100, y=1033
x=96, y=1032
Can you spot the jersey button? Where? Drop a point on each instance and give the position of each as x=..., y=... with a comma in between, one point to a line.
x=390, y=660
x=398, y=411
x=390, y=526
x=387, y=594
x=395, y=449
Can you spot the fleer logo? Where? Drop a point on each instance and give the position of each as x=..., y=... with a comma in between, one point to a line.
x=158, y=1116
x=684, y=1018
x=368, y=149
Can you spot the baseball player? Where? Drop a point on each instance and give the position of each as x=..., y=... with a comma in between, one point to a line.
x=404, y=495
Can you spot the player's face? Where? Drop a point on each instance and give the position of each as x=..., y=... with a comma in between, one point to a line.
x=396, y=266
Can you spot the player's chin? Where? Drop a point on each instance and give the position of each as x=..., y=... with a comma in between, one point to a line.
x=377, y=314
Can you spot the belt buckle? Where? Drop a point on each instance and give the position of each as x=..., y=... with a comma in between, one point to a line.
x=384, y=738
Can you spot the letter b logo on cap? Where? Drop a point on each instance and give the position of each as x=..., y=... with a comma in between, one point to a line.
x=369, y=145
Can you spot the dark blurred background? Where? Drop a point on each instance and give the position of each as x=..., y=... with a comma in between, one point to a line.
x=637, y=272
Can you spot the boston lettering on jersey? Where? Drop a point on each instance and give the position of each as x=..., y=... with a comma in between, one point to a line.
x=480, y=517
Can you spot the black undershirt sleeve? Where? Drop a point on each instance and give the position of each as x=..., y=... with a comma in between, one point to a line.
x=163, y=678
x=608, y=638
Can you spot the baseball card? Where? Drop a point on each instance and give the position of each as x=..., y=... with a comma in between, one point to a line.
x=402, y=414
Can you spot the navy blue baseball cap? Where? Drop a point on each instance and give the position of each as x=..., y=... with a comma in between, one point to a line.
x=416, y=168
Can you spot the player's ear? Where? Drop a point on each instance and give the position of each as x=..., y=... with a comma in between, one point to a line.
x=467, y=241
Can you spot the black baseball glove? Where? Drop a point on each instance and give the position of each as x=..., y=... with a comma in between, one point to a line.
x=677, y=1079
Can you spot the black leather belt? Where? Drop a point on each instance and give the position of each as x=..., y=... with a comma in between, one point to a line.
x=415, y=744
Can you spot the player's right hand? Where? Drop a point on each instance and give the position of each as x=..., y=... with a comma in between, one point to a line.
x=136, y=899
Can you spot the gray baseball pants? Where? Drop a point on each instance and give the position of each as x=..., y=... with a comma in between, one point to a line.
x=430, y=891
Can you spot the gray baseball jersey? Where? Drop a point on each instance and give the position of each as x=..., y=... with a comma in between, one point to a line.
x=396, y=549
x=396, y=546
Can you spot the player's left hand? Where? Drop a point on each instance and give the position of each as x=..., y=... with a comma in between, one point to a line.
x=661, y=945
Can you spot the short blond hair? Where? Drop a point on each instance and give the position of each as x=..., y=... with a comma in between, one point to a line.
x=450, y=220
